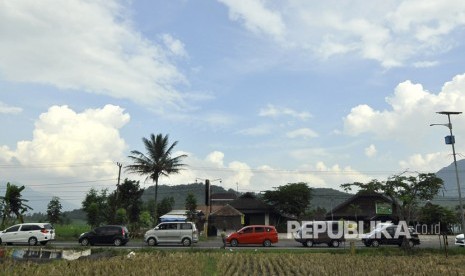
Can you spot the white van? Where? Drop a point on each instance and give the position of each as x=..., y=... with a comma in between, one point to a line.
x=184, y=233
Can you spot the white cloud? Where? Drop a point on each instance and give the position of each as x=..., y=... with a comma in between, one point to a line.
x=425, y=64
x=370, y=151
x=256, y=17
x=411, y=109
x=257, y=130
x=86, y=45
x=431, y=162
x=63, y=138
x=305, y=133
x=394, y=33
x=238, y=174
x=7, y=109
x=216, y=158
x=69, y=152
x=174, y=45
x=213, y=167
x=274, y=112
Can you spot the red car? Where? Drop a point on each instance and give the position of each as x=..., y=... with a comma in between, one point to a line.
x=254, y=234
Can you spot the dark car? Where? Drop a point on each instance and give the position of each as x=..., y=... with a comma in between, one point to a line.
x=108, y=234
x=392, y=234
x=309, y=233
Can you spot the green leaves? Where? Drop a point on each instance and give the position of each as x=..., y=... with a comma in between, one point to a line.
x=404, y=191
x=292, y=199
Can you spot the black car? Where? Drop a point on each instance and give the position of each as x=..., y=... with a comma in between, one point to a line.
x=391, y=234
x=108, y=234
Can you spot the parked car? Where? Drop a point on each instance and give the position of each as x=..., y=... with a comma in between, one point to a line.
x=378, y=236
x=318, y=232
x=254, y=234
x=184, y=233
x=459, y=240
x=30, y=233
x=108, y=234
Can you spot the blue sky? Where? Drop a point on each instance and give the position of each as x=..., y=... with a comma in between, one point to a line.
x=258, y=93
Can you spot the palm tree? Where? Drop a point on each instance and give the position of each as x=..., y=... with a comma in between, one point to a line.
x=157, y=161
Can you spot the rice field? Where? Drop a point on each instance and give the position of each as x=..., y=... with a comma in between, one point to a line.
x=242, y=263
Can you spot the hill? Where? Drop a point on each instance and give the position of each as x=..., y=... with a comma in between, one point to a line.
x=322, y=197
x=447, y=174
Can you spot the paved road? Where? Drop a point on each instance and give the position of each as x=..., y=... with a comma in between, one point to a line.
x=214, y=243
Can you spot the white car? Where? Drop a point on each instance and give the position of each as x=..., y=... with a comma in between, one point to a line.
x=30, y=233
x=459, y=240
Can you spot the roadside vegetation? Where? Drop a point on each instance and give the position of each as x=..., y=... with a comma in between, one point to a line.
x=390, y=261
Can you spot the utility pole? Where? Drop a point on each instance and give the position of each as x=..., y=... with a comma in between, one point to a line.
x=119, y=177
x=119, y=171
x=451, y=140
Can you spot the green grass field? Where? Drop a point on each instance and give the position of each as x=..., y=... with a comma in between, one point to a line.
x=392, y=261
x=70, y=232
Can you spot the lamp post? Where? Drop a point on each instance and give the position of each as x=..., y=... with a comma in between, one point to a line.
x=451, y=140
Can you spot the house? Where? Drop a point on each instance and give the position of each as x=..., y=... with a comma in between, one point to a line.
x=227, y=218
x=365, y=206
x=221, y=199
x=246, y=209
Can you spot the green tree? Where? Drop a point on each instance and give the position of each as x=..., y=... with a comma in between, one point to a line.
x=191, y=206
x=292, y=199
x=165, y=205
x=129, y=197
x=121, y=216
x=144, y=219
x=157, y=161
x=54, y=210
x=13, y=204
x=405, y=192
x=94, y=217
x=433, y=214
x=95, y=206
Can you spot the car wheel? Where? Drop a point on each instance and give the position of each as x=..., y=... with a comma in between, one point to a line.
x=375, y=243
x=186, y=242
x=335, y=243
x=267, y=243
x=43, y=242
x=152, y=242
x=309, y=243
x=85, y=242
x=117, y=242
x=234, y=243
x=32, y=241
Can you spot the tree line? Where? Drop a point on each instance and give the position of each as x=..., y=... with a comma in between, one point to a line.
x=125, y=206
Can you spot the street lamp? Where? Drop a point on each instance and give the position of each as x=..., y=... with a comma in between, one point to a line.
x=451, y=140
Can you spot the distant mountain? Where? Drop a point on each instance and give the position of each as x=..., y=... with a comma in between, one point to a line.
x=447, y=174
x=180, y=192
x=38, y=201
x=322, y=197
